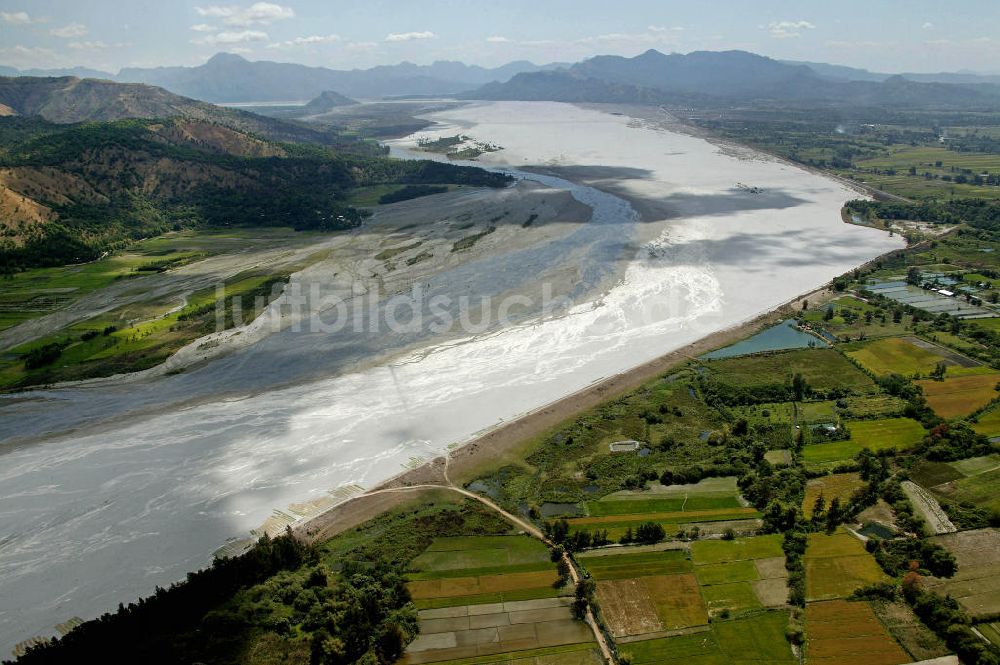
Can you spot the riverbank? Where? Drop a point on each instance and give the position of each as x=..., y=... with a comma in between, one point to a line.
x=509, y=441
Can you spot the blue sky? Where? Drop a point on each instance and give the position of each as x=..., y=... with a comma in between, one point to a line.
x=883, y=35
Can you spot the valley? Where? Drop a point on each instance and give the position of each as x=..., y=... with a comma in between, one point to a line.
x=613, y=258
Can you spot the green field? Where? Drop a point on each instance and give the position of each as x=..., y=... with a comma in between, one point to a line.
x=898, y=433
x=741, y=549
x=616, y=525
x=727, y=572
x=823, y=369
x=641, y=564
x=988, y=424
x=477, y=552
x=836, y=565
x=895, y=356
x=661, y=504
x=756, y=639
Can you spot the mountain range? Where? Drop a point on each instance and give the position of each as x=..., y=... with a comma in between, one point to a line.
x=231, y=78
x=649, y=77
x=725, y=76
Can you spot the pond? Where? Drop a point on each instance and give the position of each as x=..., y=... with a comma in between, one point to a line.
x=781, y=336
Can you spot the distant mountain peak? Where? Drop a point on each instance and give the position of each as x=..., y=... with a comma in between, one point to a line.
x=222, y=58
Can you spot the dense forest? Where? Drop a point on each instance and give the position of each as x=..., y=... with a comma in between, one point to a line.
x=110, y=183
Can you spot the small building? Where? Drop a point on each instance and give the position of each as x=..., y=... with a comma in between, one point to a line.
x=627, y=446
x=946, y=292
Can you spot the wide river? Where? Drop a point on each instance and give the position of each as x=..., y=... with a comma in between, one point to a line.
x=106, y=492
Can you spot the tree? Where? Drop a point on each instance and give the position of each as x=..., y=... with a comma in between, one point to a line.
x=648, y=533
x=800, y=387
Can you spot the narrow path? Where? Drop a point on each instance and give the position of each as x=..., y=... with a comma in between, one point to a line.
x=528, y=528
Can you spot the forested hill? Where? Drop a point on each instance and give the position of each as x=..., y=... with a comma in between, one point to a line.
x=69, y=193
x=69, y=99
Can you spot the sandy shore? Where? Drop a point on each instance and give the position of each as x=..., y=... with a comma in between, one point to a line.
x=489, y=449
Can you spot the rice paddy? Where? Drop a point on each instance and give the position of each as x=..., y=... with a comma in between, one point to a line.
x=845, y=633
x=960, y=395
x=898, y=433
x=836, y=565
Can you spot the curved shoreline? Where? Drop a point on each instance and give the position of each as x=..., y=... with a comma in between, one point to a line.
x=505, y=438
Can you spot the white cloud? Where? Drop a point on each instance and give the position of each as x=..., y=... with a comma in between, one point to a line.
x=663, y=28
x=927, y=26
x=263, y=13
x=17, y=18
x=497, y=39
x=306, y=41
x=202, y=27
x=238, y=37
x=785, y=29
x=409, y=36
x=70, y=31
x=88, y=46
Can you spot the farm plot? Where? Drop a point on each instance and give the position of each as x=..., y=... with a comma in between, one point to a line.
x=897, y=355
x=480, y=569
x=988, y=424
x=660, y=504
x=976, y=585
x=636, y=564
x=741, y=574
x=840, y=486
x=836, y=565
x=482, y=554
x=973, y=480
x=645, y=605
x=898, y=433
x=616, y=525
x=844, y=633
x=759, y=638
x=823, y=369
x=960, y=395
x=536, y=628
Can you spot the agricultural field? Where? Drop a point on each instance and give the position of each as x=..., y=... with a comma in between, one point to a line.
x=898, y=433
x=713, y=501
x=841, y=486
x=973, y=481
x=627, y=562
x=478, y=569
x=653, y=604
x=899, y=355
x=823, y=369
x=481, y=596
x=903, y=625
x=755, y=639
x=976, y=585
x=520, y=631
x=987, y=424
x=741, y=575
x=990, y=631
x=844, y=633
x=836, y=565
x=957, y=396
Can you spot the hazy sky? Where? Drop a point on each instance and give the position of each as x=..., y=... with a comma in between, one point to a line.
x=883, y=35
